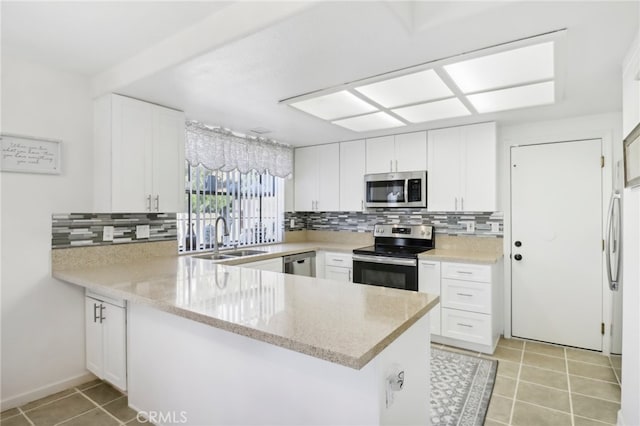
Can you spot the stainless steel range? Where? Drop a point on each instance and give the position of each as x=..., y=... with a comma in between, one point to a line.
x=393, y=259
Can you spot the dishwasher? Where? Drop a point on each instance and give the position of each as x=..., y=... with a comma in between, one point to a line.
x=300, y=264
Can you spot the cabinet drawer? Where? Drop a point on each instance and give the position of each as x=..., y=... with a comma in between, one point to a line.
x=337, y=273
x=467, y=326
x=466, y=271
x=338, y=259
x=466, y=295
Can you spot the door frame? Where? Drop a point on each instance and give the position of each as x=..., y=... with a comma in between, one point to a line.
x=606, y=137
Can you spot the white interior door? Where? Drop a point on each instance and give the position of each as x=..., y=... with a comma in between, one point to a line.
x=556, y=243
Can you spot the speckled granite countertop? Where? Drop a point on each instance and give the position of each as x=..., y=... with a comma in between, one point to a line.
x=344, y=323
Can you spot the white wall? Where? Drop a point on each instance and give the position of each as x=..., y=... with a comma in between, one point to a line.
x=604, y=126
x=42, y=319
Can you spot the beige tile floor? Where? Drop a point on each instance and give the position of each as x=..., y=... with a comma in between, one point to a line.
x=539, y=384
x=94, y=403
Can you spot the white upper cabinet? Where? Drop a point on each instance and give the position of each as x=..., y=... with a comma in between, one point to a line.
x=631, y=89
x=352, y=170
x=317, y=178
x=411, y=152
x=462, y=168
x=400, y=153
x=139, y=156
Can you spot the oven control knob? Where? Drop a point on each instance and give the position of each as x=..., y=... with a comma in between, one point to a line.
x=423, y=232
x=380, y=231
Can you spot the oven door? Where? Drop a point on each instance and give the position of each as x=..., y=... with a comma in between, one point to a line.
x=384, y=271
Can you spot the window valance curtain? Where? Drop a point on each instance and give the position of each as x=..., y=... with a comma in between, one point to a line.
x=220, y=149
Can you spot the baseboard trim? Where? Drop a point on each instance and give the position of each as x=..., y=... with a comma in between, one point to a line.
x=50, y=389
x=620, y=421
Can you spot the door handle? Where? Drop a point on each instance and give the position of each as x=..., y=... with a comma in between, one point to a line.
x=518, y=257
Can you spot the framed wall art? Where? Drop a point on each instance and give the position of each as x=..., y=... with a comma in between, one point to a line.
x=26, y=154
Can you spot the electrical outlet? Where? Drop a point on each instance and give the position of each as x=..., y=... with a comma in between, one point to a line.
x=471, y=226
x=142, y=231
x=107, y=233
x=292, y=223
x=495, y=227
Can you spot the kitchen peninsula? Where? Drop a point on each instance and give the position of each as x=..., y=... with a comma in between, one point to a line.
x=223, y=344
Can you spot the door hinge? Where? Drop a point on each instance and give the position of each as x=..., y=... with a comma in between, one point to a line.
x=602, y=328
x=602, y=161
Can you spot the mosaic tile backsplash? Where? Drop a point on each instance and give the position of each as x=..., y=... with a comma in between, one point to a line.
x=85, y=229
x=450, y=223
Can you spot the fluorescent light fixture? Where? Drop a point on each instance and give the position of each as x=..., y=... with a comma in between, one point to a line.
x=514, y=97
x=375, y=121
x=334, y=105
x=432, y=111
x=513, y=67
x=408, y=89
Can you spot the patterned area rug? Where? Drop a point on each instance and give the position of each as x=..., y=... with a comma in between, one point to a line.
x=461, y=387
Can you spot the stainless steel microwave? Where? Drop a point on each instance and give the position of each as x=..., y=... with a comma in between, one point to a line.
x=403, y=189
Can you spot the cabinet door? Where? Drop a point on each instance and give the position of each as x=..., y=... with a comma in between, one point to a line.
x=274, y=265
x=380, y=154
x=352, y=170
x=93, y=336
x=429, y=282
x=115, y=345
x=443, y=171
x=328, y=161
x=411, y=152
x=479, y=169
x=131, y=154
x=338, y=274
x=168, y=161
x=306, y=178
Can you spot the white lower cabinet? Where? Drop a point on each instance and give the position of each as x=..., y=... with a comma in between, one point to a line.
x=338, y=266
x=274, y=265
x=106, y=338
x=429, y=282
x=470, y=313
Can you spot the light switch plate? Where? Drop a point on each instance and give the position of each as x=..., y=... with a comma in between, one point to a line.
x=107, y=233
x=142, y=231
x=471, y=226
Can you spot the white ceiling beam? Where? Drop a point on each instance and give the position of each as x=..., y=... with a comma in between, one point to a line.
x=222, y=27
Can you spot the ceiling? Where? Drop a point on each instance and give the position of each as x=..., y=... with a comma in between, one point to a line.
x=238, y=85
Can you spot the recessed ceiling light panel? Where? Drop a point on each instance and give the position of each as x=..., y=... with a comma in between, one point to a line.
x=375, y=121
x=432, y=111
x=515, y=97
x=513, y=67
x=334, y=105
x=408, y=89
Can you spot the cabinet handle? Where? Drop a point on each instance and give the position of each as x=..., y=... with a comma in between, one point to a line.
x=464, y=325
x=95, y=312
x=149, y=202
x=456, y=208
x=396, y=165
x=362, y=205
x=465, y=294
x=102, y=308
x=390, y=165
x=462, y=203
x=158, y=202
x=338, y=260
x=350, y=280
x=465, y=272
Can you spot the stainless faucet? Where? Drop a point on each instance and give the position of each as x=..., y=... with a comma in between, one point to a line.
x=215, y=232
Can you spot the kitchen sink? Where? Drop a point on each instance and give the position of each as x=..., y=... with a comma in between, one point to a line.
x=215, y=256
x=238, y=253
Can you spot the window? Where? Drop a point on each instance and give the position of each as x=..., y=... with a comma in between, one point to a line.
x=251, y=203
